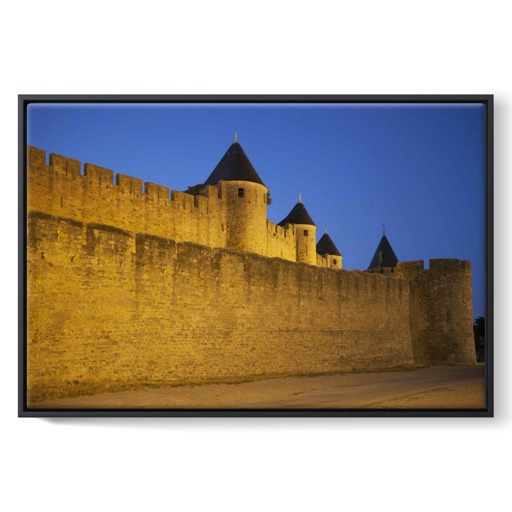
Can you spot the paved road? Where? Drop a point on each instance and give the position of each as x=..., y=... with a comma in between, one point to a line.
x=436, y=387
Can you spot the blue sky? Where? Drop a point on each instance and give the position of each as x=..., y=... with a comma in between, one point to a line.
x=418, y=169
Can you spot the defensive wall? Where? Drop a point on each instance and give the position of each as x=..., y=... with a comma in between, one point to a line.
x=209, y=219
x=118, y=298
x=441, y=310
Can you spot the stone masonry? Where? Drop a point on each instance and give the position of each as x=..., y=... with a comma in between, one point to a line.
x=131, y=286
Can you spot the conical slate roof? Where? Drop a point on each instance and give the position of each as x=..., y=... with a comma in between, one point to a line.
x=326, y=246
x=298, y=215
x=234, y=166
x=384, y=255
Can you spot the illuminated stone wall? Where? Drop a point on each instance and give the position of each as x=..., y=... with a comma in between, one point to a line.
x=128, y=289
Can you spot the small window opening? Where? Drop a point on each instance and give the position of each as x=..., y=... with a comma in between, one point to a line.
x=240, y=192
x=306, y=232
x=334, y=262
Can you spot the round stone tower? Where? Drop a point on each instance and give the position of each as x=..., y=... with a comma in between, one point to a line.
x=326, y=248
x=245, y=197
x=305, y=233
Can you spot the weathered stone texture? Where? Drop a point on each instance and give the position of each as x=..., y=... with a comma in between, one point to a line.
x=111, y=309
x=281, y=242
x=306, y=243
x=441, y=311
x=217, y=218
x=246, y=216
x=128, y=288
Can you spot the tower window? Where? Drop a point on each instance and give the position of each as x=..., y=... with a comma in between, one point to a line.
x=306, y=232
x=240, y=192
x=334, y=262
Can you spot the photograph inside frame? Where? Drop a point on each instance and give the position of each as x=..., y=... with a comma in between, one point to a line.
x=263, y=256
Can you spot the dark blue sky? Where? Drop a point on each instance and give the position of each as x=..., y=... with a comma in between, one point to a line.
x=420, y=170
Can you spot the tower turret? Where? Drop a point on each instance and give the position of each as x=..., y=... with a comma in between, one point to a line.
x=326, y=248
x=246, y=199
x=384, y=259
x=305, y=232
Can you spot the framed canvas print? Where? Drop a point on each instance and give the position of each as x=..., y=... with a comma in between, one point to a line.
x=255, y=255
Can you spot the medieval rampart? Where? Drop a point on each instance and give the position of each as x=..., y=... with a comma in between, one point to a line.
x=110, y=309
x=60, y=189
x=281, y=242
x=441, y=310
x=117, y=301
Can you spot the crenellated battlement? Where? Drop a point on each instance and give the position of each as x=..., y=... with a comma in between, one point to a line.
x=185, y=304
x=100, y=195
x=99, y=175
x=65, y=165
x=281, y=241
x=412, y=268
x=35, y=157
x=72, y=168
x=157, y=193
x=182, y=200
x=449, y=265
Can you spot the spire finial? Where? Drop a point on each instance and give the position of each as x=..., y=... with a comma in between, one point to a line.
x=326, y=230
x=383, y=230
x=300, y=197
x=236, y=135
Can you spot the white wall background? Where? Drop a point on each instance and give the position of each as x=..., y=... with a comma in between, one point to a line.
x=257, y=47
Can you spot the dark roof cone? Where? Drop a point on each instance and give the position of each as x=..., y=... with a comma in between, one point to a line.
x=326, y=246
x=384, y=255
x=234, y=166
x=298, y=215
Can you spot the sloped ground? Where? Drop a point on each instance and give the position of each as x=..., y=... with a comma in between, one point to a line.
x=442, y=387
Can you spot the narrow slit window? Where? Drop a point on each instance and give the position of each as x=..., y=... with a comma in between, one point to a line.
x=306, y=232
x=240, y=192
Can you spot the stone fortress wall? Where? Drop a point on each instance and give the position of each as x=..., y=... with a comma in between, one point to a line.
x=208, y=219
x=128, y=289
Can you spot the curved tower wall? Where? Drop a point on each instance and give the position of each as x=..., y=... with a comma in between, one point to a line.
x=305, y=235
x=334, y=261
x=441, y=311
x=246, y=215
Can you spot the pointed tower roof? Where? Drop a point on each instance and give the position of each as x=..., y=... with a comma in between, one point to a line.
x=298, y=215
x=234, y=166
x=326, y=246
x=384, y=255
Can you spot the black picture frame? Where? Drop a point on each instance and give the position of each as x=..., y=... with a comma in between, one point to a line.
x=25, y=100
